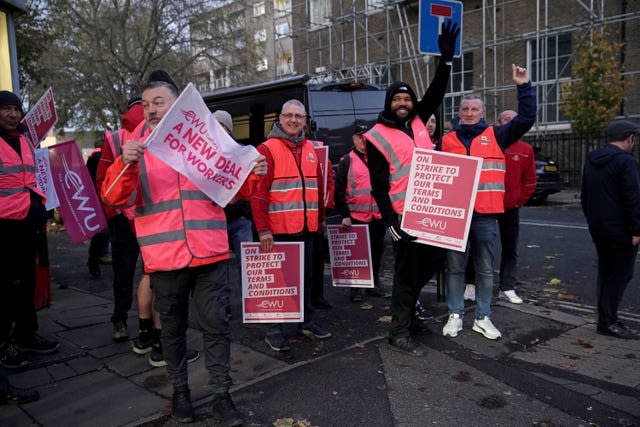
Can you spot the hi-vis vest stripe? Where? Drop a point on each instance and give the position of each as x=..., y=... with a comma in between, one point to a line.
x=293, y=196
x=17, y=179
x=361, y=203
x=176, y=223
x=397, y=147
x=490, y=195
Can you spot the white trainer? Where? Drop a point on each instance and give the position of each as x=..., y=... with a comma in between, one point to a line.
x=510, y=296
x=486, y=328
x=453, y=326
x=470, y=292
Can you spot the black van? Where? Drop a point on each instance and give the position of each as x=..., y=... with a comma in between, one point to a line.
x=334, y=109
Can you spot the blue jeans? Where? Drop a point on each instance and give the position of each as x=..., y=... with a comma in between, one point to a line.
x=482, y=243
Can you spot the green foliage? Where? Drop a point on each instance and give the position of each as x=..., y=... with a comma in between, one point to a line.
x=592, y=99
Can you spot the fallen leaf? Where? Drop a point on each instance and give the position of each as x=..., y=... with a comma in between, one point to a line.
x=548, y=304
x=283, y=422
x=554, y=282
x=335, y=393
x=365, y=306
x=385, y=319
x=359, y=345
x=381, y=387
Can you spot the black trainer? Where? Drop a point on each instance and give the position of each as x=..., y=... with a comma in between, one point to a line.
x=619, y=330
x=12, y=357
x=225, y=412
x=182, y=410
x=144, y=342
x=17, y=396
x=156, y=359
x=38, y=344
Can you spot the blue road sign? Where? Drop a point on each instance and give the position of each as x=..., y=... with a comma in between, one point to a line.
x=432, y=14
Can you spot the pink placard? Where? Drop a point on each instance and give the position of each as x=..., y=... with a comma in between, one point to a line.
x=272, y=283
x=350, y=253
x=323, y=156
x=79, y=207
x=440, y=197
x=41, y=118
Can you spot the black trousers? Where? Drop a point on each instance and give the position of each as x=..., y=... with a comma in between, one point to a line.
x=615, y=270
x=509, y=223
x=317, y=266
x=415, y=265
x=124, y=255
x=17, y=280
x=207, y=287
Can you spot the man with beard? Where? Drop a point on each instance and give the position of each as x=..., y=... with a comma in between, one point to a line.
x=390, y=143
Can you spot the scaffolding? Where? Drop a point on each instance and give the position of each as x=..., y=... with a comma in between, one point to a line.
x=375, y=42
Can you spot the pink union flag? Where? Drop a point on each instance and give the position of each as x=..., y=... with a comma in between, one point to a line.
x=79, y=207
x=192, y=142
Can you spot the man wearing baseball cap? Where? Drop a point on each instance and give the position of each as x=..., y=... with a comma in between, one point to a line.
x=611, y=203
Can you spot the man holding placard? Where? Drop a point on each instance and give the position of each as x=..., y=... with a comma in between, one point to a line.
x=390, y=144
x=183, y=241
x=474, y=137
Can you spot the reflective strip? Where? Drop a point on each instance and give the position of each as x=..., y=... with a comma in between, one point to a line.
x=10, y=191
x=361, y=208
x=168, y=236
x=193, y=195
x=205, y=224
x=493, y=166
x=9, y=170
x=359, y=192
x=400, y=171
x=291, y=206
x=144, y=183
x=154, y=208
x=293, y=185
x=491, y=186
x=397, y=196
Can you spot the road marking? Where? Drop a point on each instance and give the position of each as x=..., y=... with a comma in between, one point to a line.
x=544, y=224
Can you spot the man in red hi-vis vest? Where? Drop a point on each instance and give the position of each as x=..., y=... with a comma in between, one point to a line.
x=473, y=136
x=288, y=205
x=182, y=236
x=22, y=217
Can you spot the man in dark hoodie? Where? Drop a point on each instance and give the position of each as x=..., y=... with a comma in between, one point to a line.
x=287, y=204
x=611, y=203
x=400, y=128
x=473, y=136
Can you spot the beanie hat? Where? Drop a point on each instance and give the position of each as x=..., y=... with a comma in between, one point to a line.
x=162, y=76
x=133, y=101
x=619, y=130
x=395, y=88
x=10, y=98
x=224, y=119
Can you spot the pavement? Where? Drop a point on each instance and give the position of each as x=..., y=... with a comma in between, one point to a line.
x=549, y=368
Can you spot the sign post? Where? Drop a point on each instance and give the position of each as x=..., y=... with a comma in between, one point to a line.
x=432, y=14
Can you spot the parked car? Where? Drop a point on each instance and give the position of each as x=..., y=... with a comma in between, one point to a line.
x=548, y=177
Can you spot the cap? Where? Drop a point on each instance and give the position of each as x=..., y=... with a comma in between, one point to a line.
x=133, y=101
x=619, y=130
x=224, y=119
x=10, y=98
x=162, y=76
x=360, y=128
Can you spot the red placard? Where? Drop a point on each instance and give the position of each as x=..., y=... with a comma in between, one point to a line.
x=41, y=118
x=350, y=253
x=272, y=283
x=440, y=197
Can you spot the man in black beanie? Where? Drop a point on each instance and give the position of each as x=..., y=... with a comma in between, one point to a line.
x=22, y=217
x=400, y=128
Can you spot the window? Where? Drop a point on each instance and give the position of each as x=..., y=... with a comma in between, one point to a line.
x=281, y=8
x=259, y=9
x=262, y=64
x=219, y=79
x=461, y=81
x=282, y=30
x=375, y=4
x=550, y=65
x=319, y=11
x=260, y=36
x=284, y=63
x=240, y=43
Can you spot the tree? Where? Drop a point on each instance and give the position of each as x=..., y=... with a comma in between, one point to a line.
x=591, y=100
x=99, y=53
